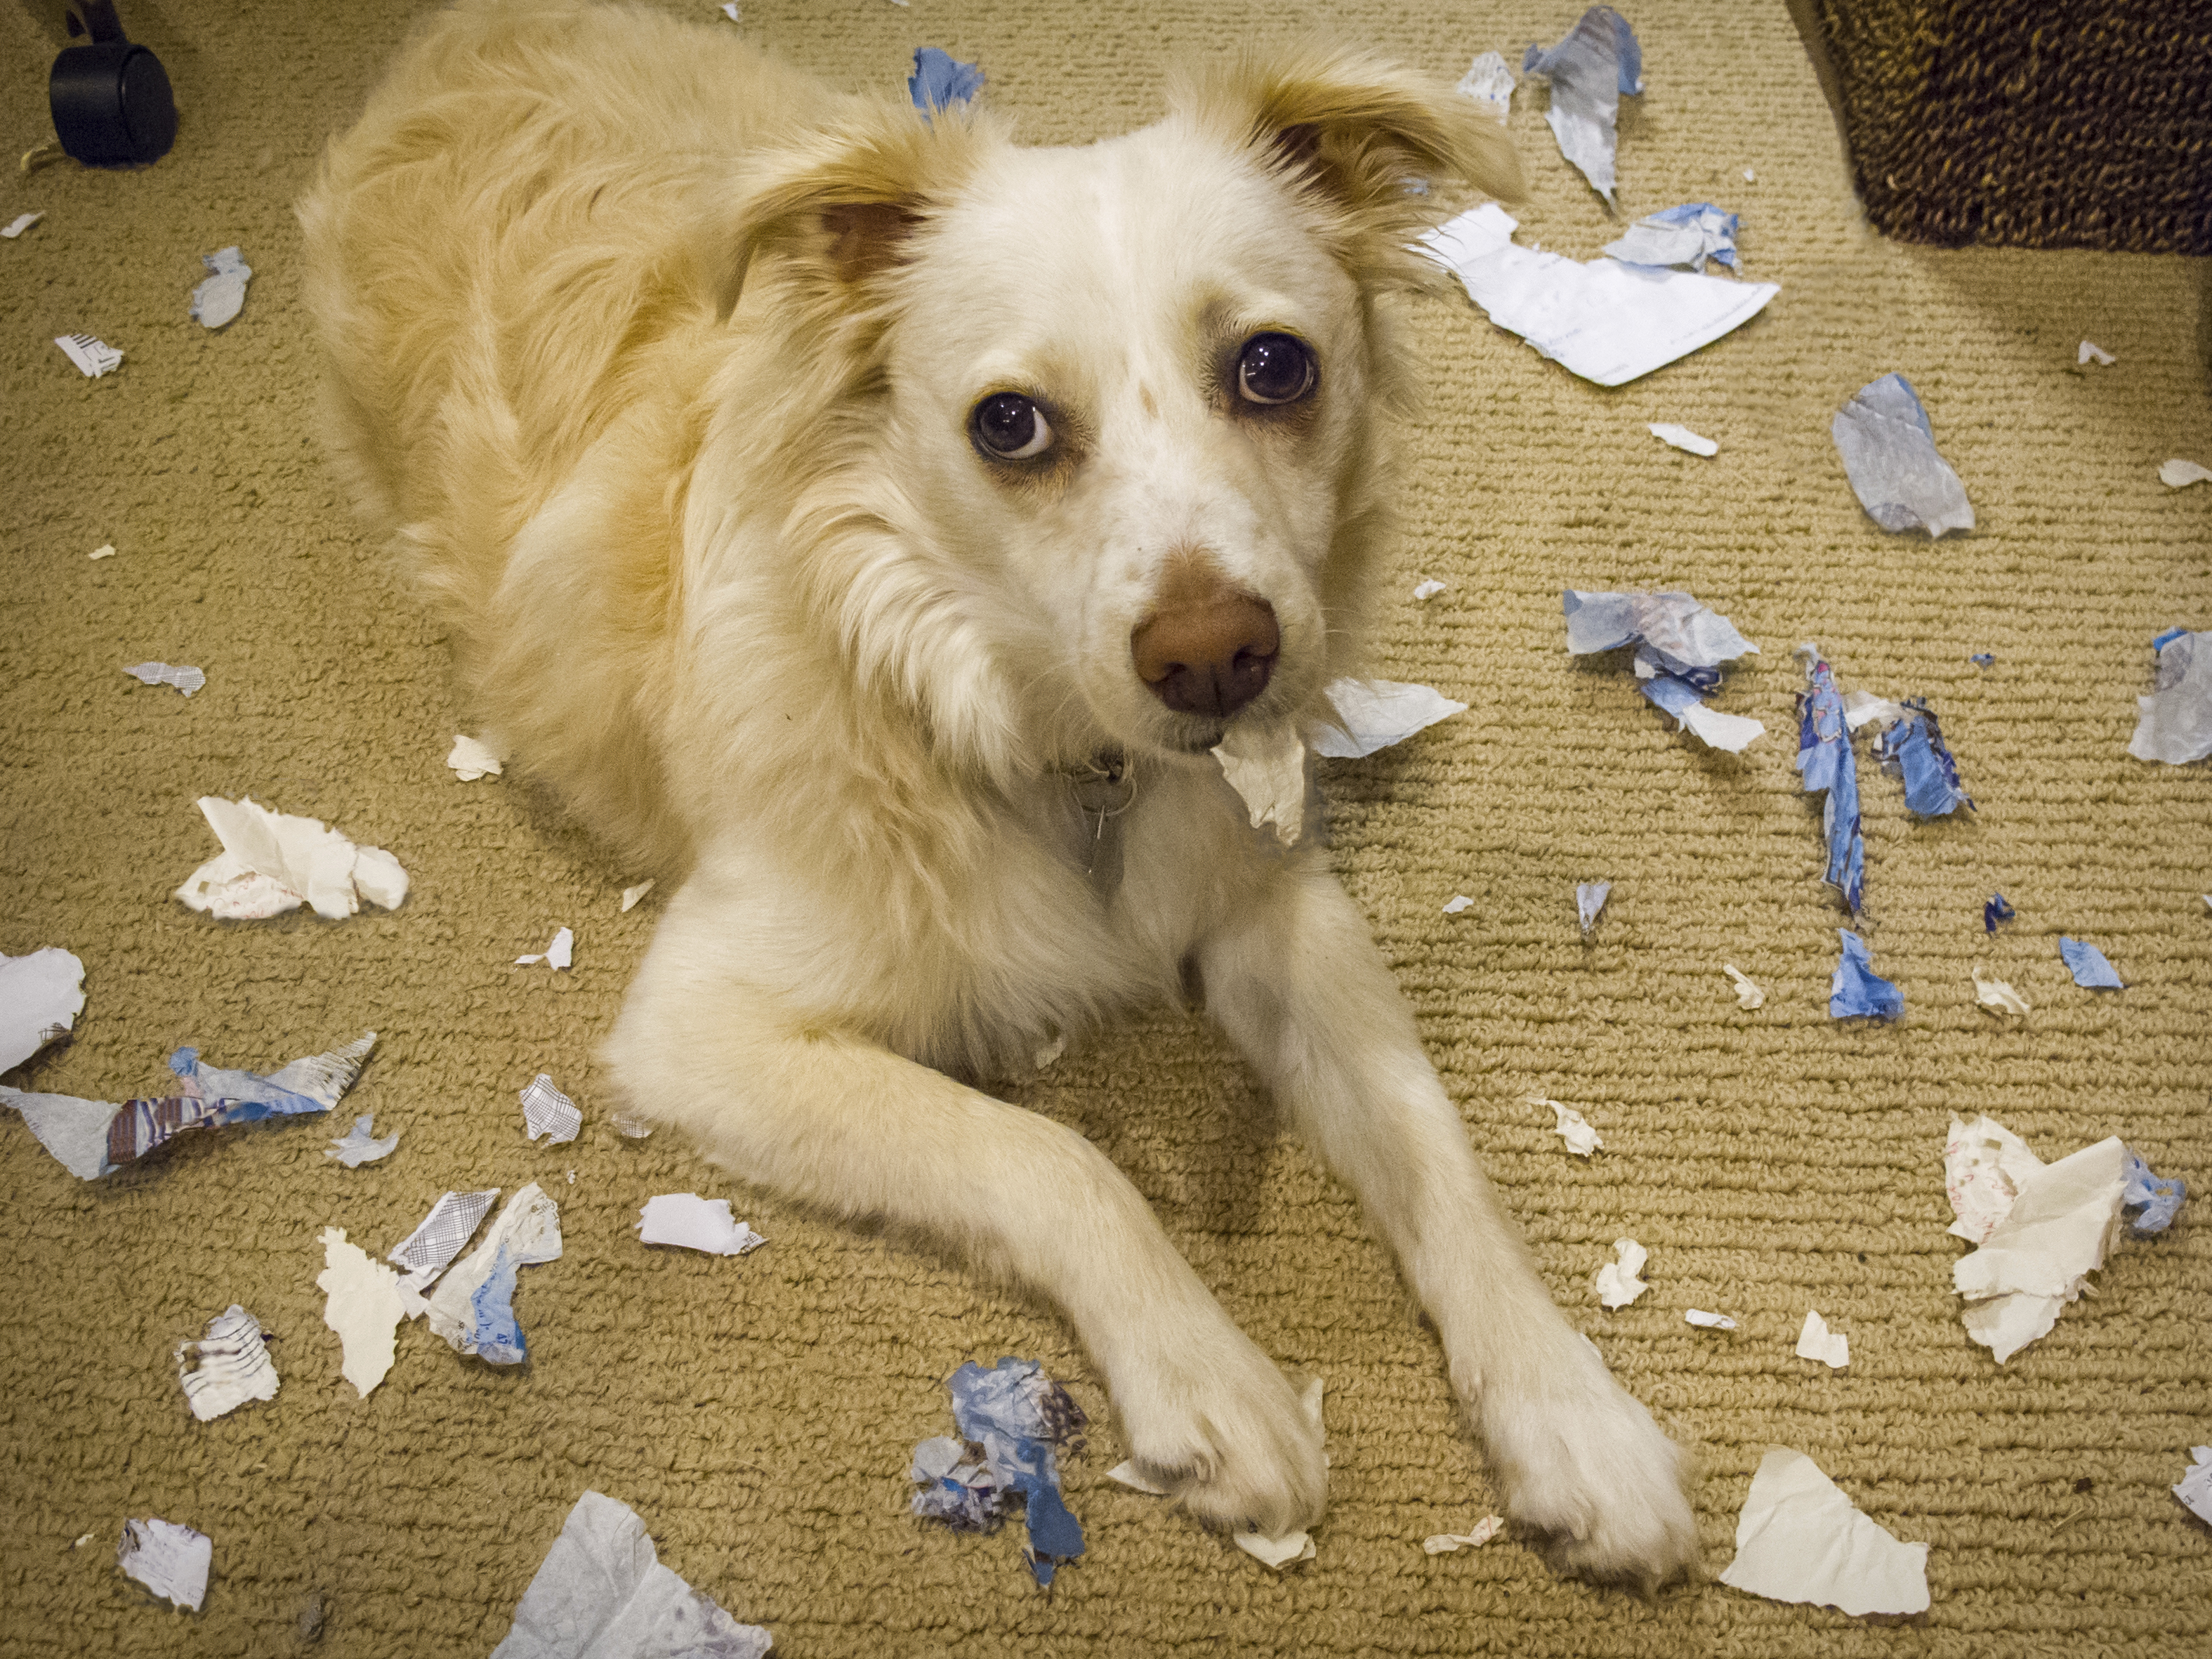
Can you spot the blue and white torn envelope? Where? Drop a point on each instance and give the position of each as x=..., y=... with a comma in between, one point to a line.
x=1589, y=71
x=2087, y=965
x=1912, y=749
x=41, y=994
x=1856, y=991
x=602, y=1593
x=95, y=1138
x=1686, y=235
x=473, y=1307
x=1608, y=322
x=2154, y=1200
x=1827, y=765
x=1013, y=1421
x=1889, y=452
x=2175, y=722
x=1680, y=644
x=360, y=1145
x=940, y=80
x=453, y=1221
x=218, y=299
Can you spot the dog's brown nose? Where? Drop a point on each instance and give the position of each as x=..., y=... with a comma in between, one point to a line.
x=1209, y=648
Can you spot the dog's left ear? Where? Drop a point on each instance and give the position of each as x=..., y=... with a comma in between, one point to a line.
x=1350, y=130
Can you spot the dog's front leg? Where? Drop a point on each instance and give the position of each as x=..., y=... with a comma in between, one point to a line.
x=1298, y=986
x=831, y=1119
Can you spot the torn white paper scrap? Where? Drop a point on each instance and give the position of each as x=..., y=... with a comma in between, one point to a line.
x=217, y=299
x=730, y=11
x=473, y=1307
x=1861, y=707
x=1608, y=322
x=1617, y=1284
x=106, y=552
x=426, y=1251
x=364, y=1304
x=22, y=222
x=1372, y=715
x=2195, y=1486
x=603, y=1593
x=694, y=1223
x=360, y=1145
x=1292, y=1547
x=1589, y=70
x=557, y=955
x=1589, y=899
x=1995, y=995
x=2174, y=723
x=1447, y=1543
x=1489, y=81
x=1889, y=454
x=1984, y=1166
x=41, y=994
x=628, y=1123
x=272, y=862
x=2174, y=475
x=1571, y=1127
x=2038, y=1257
x=630, y=895
x=546, y=1111
x=1711, y=1321
x=1266, y=767
x=1427, y=590
x=1816, y=1341
x=1747, y=995
x=2094, y=354
x=1131, y=1476
x=471, y=758
x=1457, y=903
x=1731, y=733
x=169, y=1559
x=186, y=680
x=1799, y=1539
x=1682, y=438
x=1683, y=636
x=226, y=1368
x=94, y=356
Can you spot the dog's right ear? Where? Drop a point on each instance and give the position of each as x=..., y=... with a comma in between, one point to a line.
x=840, y=207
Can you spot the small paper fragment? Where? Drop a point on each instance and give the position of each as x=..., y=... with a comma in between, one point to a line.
x=1913, y=751
x=1134, y=1478
x=22, y=222
x=1856, y=992
x=637, y=1128
x=2155, y=1200
x=1292, y=1547
x=1457, y=903
x=1589, y=899
x=217, y=300
x=364, y=1304
x=471, y=758
x=1448, y=1543
x=2087, y=965
x=1816, y=1341
x=41, y=994
x=558, y=955
x=1617, y=1284
x=1747, y=995
x=1589, y=70
x=473, y=1306
x=106, y=552
x=169, y=1559
x=1372, y=715
x=93, y=356
x=1571, y=1127
x=1984, y=1166
x=1490, y=81
x=1995, y=995
x=2174, y=723
x=1266, y=767
x=1996, y=910
x=360, y=1145
x=273, y=862
x=630, y=895
x=729, y=9
x=1983, y=660
x=1427, y=590
x=1861, y=708
x=546, y=1111
x=2174, y=475
x=228, y=1366
x=1013, y=1421
x=1799, y=1539
x=693, y=1223
x=2094, y=354
x=186, y=680
x=1889, y=452
x=2194, y=1489
x=2039, y=1255
x=452, y=1220
x=1686, y=235
x=940, y=80
x=1682, y=438
x=1711, y=1321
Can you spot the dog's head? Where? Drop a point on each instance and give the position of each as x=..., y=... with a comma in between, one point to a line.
x=1106, y=468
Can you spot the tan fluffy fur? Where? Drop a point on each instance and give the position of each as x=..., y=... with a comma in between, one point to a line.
x=655, y=358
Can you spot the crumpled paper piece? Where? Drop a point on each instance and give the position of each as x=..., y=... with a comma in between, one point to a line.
x=363, y=1302
x=22, y=222
x=1711, y=1322
x=473, y=1306
x=471, y=758
x=2155, y=1200
x=1571, y=1127
x=272, y=862
x=1686, y=235
x=1799, y=1539
x=1680, y=646
x=1747, y=995
x=1863, y=708
x=228, y=1366
x=1590, y=69
x=1013, y=1422
x=1816, y=1341
x=1426, y=591
x=1681, y=438
x=2174, y=723
x=360, y=1144
x=1998, y=909
x=1267, y=767
x=559, y=955
x=602, y=1593
x=940, y=80
x=1446, y=1543
x=630, y=895
x=2174, y=474
x=453, y=1221
x=168, y=1559
x=1889, y=452
x=217, y=299
x=41, y=994
x=1827, y=765
x=2038, y=1255
x=2087, y=965
x=2094, y=354
x=1457, y=903
x=1984, y=1165
x=1589, y=899
x=94, y=356
x=1997, y=996
x=1856, y=992
x=2194, y=1489
x=1912, y=749
x=95, y=1138
x=546, y=1111
x=103, y=552
x=1372, y=715
x=1608, y=322
x=186, y=680
x=694, y=1223
x=1617, y=1284
x=1489, y=81
x=1292, y=1547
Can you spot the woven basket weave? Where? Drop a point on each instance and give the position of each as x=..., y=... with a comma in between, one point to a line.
x=2067, y=124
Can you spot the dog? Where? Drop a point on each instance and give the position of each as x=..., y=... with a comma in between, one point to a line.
x=875, y=524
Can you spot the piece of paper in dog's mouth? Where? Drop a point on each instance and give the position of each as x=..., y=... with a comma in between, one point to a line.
x=1266, y=766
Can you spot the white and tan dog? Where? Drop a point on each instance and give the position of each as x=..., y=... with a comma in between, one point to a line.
x=875, y=524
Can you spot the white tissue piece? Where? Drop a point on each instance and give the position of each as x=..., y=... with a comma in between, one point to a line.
x=217, y=299
x=1372, y=715
x=2038, y=1257
x=2174, y=475
x=471, y=758
x=1490, y=81
x=1682, y=438
x=2094, y=354
x=1747, y=995
x=360, y=1145
x=1816, y=1341
x=694, y=1223
x=1446, y=1543
x=2174, y=723
x=1427, y=590
x=557, y=955
x=602, y=1594
x=730, y=11
x=186, y=680
x=1711, y=1322
x=1589, y=899
x=22, y=222
x=226, y=1368
x=1995, y=995
x=91, y=355
x=1984, y=1166
x=1750, y=177
x=631, y=895
x=473, y=1307
x=364, y=1304
x=2195, y=1486
x=426, y=1252
x=1608, y=322
x=1861, y=707
x=1571, y=1127
x=1266, y=767
x=273, y=862
x=1280, y=1552
x=546, y=1111
x=169, y=1559
x=1457, y=903
x=1133, y=1477
x=41, y=994
x=1617, y=1284
x=1799, y=1539
x=106, y=552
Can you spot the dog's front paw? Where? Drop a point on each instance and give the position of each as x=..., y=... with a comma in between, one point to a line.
x=1588, y=1473
x=1210, y=1418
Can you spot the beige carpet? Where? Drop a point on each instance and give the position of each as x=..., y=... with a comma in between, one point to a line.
x=759, y=1413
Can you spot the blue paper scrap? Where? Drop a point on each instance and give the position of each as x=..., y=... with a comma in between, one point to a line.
x=1686, y=235
x=497, y=1336
x=1983, y=660
x=1590, y=69
x=1996, y=910
x=1825, y=763
x=2156, y=1198
x=1013, y=1421
x=940, y=80
x=1680, y=644
x=1889, y=452
x=1857, y=991
x=1913, y=748
x=2087, y=965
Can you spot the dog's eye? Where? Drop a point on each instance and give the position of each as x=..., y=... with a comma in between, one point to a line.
x=1008, y=427
x=1274, y=368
